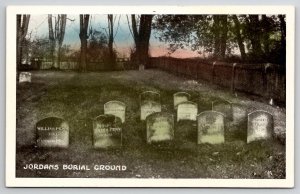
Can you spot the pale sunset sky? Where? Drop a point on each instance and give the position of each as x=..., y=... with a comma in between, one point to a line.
x=38, y=28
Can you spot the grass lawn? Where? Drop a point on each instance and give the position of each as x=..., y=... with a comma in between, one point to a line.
x=79, y=97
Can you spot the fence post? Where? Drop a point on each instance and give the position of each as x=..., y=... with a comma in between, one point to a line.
x=233, y=78
x=269, y=82
x=213, y=72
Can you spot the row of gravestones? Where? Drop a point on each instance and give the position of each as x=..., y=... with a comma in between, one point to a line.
x=107, y=128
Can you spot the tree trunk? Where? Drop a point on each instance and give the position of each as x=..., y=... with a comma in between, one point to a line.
x=265, y=34
x=283, y=39
x=84, y=22
x=255, y=36
x=216, y=32
x=22, y=29
x=56, y=37
x=141, y=38
x=111, y=40
x=223, y=38
x=239, y=39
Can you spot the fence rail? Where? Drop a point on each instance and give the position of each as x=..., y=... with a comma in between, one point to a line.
x=266, y=80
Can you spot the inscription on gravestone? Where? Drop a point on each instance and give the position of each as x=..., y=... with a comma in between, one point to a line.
x=149, y=96
x=160, y=127
x=149, y=107
x=52, y=132
x=180, y=97
x=107, y=131
x=187, y=111
x=224, y=107
x=116, y=108
x=210, y=127
x=24, y=77
x=260, y=126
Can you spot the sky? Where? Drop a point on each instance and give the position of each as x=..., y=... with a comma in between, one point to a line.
x=38, y=27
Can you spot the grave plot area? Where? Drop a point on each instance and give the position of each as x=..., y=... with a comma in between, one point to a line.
x=78, y=98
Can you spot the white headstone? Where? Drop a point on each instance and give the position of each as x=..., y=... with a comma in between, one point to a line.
x=24, y=77
x=187, y=111
x=180, y=97
x=160, y=127
x=107, y=131
x=116, y=108
x=149, y=107
x=260, y=126
x=210, y=127
x=52, y=132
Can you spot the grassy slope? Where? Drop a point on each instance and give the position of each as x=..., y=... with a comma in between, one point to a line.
x=80, y=97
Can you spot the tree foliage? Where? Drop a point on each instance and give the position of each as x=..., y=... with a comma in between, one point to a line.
x=252, y=37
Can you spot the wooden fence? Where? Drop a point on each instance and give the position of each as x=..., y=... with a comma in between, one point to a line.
x=266, y=80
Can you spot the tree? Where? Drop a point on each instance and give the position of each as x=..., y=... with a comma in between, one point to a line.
x=220, y=30
x=22, y=28
x=238, y=35
x=83, y=35
x=141, y=35
x=112, y=57
x=56, y=36
x=97, y=46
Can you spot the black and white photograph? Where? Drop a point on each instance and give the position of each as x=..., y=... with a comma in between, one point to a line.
x=150, y=96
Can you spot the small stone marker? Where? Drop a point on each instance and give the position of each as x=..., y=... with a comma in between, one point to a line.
x=149, y=107
x=107, y=131
x=160, y=127
x=149, y=96
x=187, y=111
x=239, y=113
x=180, y=97
x=210, y=127
x=24, y=77
x=224, y=107
x=260, y=126
x=116, y=108
x=52, y=132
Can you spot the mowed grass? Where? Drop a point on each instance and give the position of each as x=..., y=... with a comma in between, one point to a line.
x=79, y=97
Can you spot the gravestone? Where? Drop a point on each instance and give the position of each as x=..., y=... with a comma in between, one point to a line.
x=239, y=114
x=52, y=132
x=107, y=131
x=210, y=126
x=149, y=107
x=260, y=126
x=116, y=108
x=224, y=107
x=160, y=127
x=149, y=96
x=187, y=111
x=180, y=97
x=24, y=77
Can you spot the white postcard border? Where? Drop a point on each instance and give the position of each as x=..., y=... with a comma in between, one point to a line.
x=12, y=181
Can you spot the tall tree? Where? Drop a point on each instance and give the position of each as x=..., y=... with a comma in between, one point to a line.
x=239, y=39
x=22, y=29
x=56, y=36
x=254, y=34
x=220, y=30
x=83, y=35
x=110, y=19
x=141, y=36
